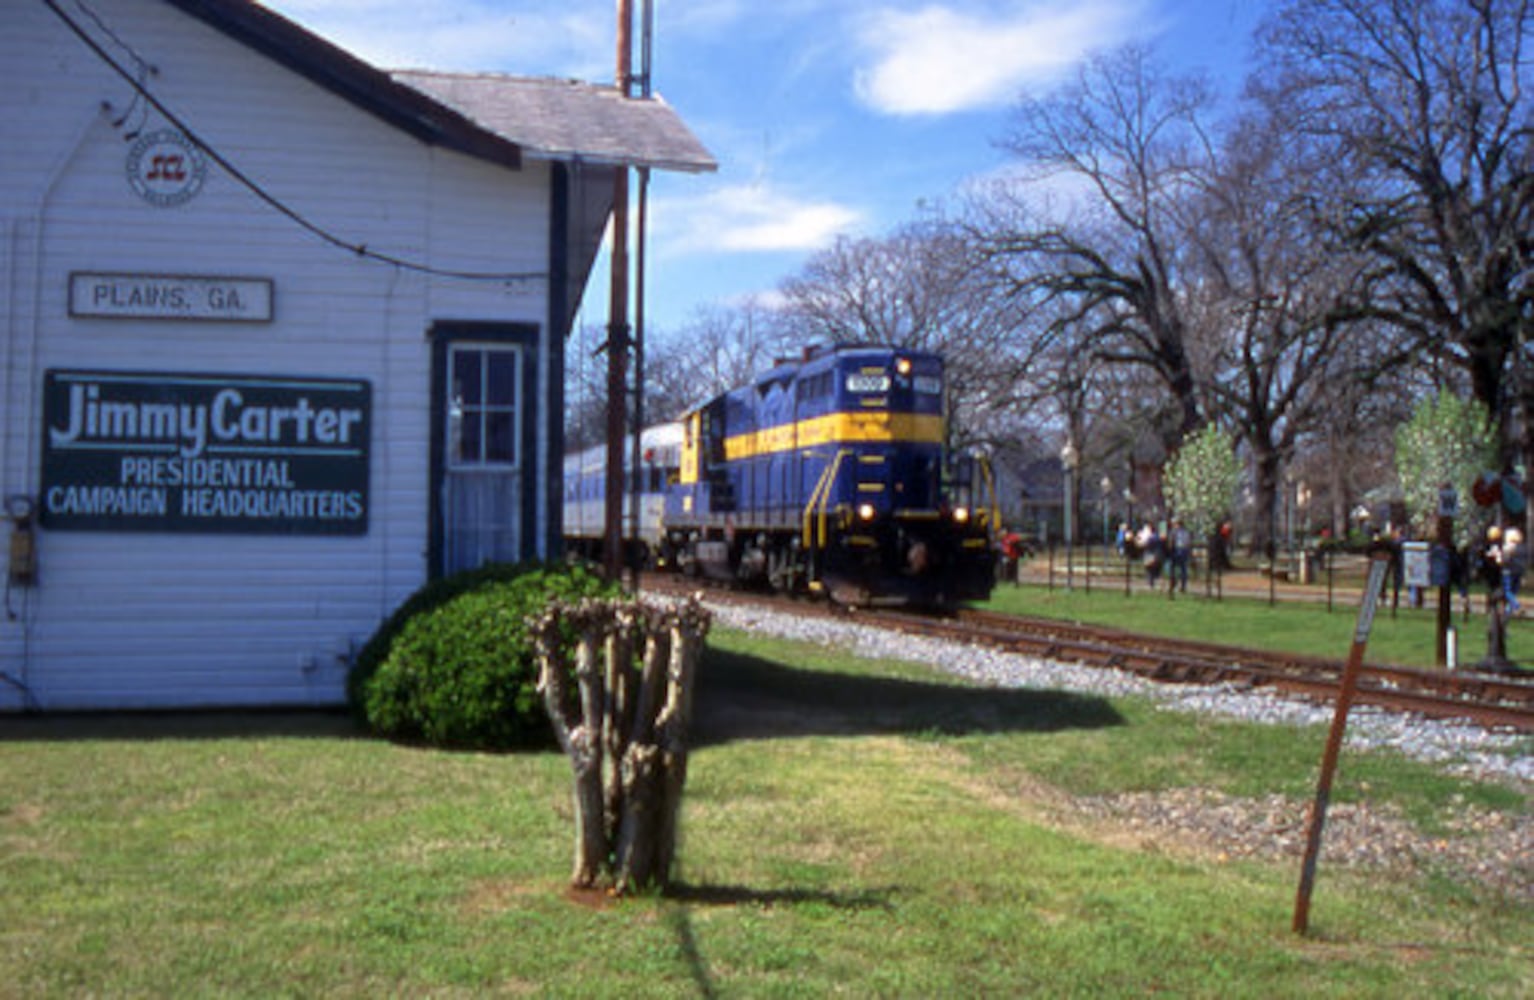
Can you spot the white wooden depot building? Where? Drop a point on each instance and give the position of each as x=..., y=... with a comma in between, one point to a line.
x=283, y=339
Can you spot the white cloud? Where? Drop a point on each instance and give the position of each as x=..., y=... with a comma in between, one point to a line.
x=942, y=59
x=749, y=219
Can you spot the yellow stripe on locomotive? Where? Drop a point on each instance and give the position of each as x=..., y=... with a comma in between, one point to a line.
x=837, y=428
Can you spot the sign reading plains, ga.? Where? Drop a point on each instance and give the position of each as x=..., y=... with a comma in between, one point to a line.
x=128, y=451
x=158, y=296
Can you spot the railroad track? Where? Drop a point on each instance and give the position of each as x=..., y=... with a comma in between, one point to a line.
x=1487, y=699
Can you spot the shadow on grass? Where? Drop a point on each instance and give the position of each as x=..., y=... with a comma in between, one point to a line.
x=681, y=919
x=739, y=895
x=747, y=697
x=738, y=697
x=181, y=724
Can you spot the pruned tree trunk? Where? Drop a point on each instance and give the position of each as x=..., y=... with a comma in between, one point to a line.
x=624, y=729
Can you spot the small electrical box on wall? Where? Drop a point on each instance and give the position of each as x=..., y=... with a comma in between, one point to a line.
x=21, y=567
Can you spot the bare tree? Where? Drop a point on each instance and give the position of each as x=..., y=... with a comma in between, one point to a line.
x=921, y=287
x=1340, y=457
x=719, y=349
x=1266, y=292
x=1131, y=142
x=585, y=389
x=1420, y=114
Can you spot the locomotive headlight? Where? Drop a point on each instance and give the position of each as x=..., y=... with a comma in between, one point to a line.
x=960, y=515
x=903, y=366
x=865, y=511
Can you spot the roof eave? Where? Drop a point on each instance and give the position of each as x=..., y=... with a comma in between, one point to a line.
x=355, y=81
x=599, y=160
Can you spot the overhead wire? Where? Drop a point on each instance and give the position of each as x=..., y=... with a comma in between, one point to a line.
x=141, y=90
x=145, y=69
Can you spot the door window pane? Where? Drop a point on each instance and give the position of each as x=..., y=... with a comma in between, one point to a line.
x=468, y=452
x=467, y=379
x=500, y=431
x=482, y=416
x=501, y=378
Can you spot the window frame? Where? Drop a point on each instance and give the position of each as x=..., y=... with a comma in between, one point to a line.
x=483, y=410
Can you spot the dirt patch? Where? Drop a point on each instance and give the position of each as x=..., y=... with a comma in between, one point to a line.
x=498, y=895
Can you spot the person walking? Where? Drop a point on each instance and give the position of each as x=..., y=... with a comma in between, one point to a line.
x=1180, y=544
x=1515, y=559
x=1149, y=544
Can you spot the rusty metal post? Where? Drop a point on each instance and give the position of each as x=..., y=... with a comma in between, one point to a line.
x=1445, y=601
x=1377, y=566
x=618, y=330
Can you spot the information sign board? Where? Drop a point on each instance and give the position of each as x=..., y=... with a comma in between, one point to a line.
x=1417, y=565
x=167, y=296
x=130, y=451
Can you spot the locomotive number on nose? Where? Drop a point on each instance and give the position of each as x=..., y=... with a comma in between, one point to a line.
x=868, y=383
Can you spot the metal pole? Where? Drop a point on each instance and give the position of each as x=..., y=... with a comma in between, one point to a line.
x=625, y=80
x=1086, y=568
x=637, y=451
x=1349, y=685
x=617, y=332
x=1445, y=601
x=1070, y=541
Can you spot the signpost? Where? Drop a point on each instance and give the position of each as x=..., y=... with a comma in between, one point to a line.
x=1348, y=686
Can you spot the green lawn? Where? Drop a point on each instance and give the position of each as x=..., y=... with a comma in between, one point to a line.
x=850, y=827
x=1402, y=635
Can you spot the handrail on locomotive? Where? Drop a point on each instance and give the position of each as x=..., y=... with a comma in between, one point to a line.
x=818, y=497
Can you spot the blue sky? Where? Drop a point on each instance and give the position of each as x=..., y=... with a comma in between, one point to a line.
x=827, y=117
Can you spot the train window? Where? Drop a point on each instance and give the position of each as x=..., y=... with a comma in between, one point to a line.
x=482, y=407
x=816, y=387
x=931, y=385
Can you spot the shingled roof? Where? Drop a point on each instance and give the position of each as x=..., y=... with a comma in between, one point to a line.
x=568, y=119
x=488, y=116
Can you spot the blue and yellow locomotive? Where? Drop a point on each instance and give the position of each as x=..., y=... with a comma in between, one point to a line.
x=829, y=474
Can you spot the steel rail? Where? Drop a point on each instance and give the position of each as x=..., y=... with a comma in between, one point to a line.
x=1487, y=700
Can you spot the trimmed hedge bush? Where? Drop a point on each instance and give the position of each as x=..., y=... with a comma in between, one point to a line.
x=453, y=666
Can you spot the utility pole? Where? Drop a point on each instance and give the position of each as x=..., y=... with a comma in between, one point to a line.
x=618, y=329
x=636, y=451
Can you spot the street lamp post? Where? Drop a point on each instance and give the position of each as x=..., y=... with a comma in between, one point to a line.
x=1129, y=520
x=1105, y=487
x=1070, y=459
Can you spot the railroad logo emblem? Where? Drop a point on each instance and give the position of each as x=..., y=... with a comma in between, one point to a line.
x=166, y=169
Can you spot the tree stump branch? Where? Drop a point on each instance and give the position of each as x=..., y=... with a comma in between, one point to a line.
x=624, y=727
